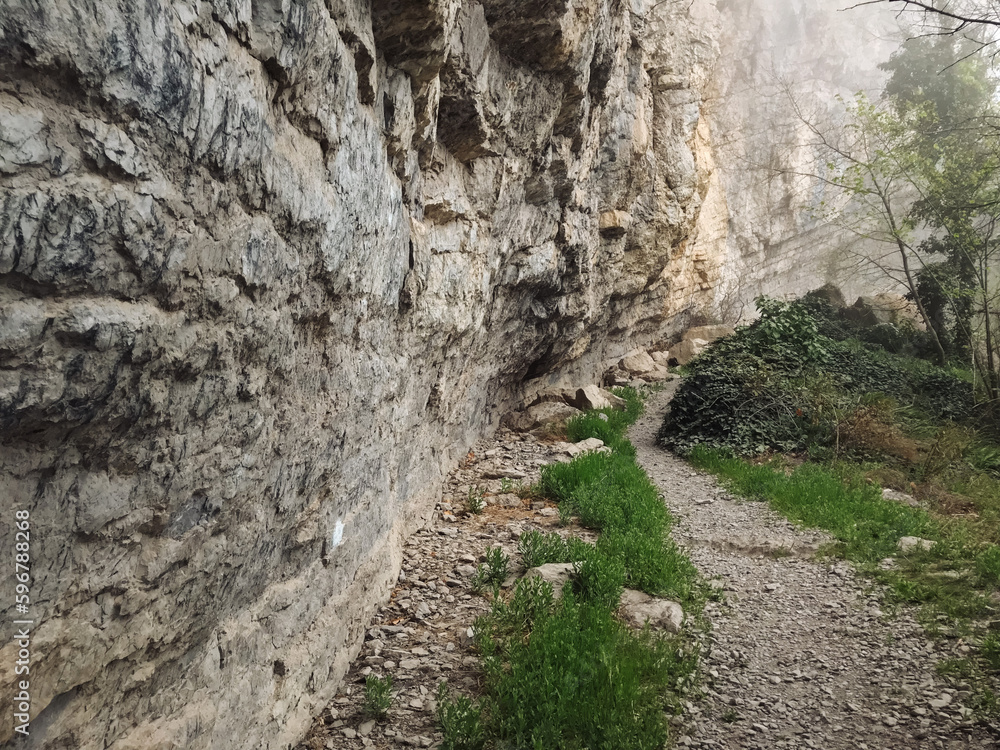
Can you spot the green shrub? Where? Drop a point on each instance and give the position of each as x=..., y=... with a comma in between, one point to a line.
x=988, y=565
x=781, y=385
x=601, y=579
x=652, y=561
x=560, y=480
x=787, y=332
x=494, y=571
x=476, y=501
x=378, y=696
x=531, y=600
x=541, y=549
x=990, y=651
x=461, y=721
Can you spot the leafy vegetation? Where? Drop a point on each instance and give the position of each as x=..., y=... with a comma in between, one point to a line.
x=493, y=572
x=827, y=432
x=476, y=500
x=582, y=678
x=919, y=170
x=563, y=672
x=780, y=384
x=461, y=721
x=378, y=696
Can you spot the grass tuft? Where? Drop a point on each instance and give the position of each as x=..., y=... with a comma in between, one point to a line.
x=378, y=696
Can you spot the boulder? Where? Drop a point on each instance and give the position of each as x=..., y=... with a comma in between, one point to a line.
x=709, y=333
x=900, y=310
x=539, y=414
x=637, y=362
x=867, y=311
x=662, y=358
x=616, y=376
x=617, y=403
x=639, y=608
x=555, y=573
x=594, y=397
x=556, y=395
x=586, y=446
x=830, y=294
x=900, y=497
x=687, y=350
x=658, y=373
x=911, y=543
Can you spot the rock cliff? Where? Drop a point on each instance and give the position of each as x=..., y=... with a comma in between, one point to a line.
x=787, y=67
x=267, y=269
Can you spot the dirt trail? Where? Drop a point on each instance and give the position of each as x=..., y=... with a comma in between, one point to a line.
x=800, y=655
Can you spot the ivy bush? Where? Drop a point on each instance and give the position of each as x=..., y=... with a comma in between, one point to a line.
x=784, y=384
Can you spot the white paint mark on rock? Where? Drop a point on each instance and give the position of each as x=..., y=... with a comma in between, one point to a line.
x=338, y=534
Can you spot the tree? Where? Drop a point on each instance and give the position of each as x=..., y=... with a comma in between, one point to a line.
x=943, y=73
x=921, y=168
x=961, y=202
x=956, y=16
x=876, y=164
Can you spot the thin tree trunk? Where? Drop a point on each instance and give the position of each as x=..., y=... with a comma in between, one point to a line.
x=991, y=378
x=911, y=282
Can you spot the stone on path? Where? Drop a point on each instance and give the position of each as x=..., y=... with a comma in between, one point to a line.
x=594, y=397
x=540, y=414
x=911, y=543
x=638, y=362
x=661, y=614
x=900, y=497
x=555, y=573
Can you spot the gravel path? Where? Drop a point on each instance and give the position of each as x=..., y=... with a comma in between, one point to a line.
x=800, y=654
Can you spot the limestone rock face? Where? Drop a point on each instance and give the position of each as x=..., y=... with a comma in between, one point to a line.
x=267, y=269
x=762, y=227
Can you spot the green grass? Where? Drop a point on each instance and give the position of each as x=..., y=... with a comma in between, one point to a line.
x=610, y=492
x=583, y=680
x=612, y=425
x=867, y=527
x=566, y=674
